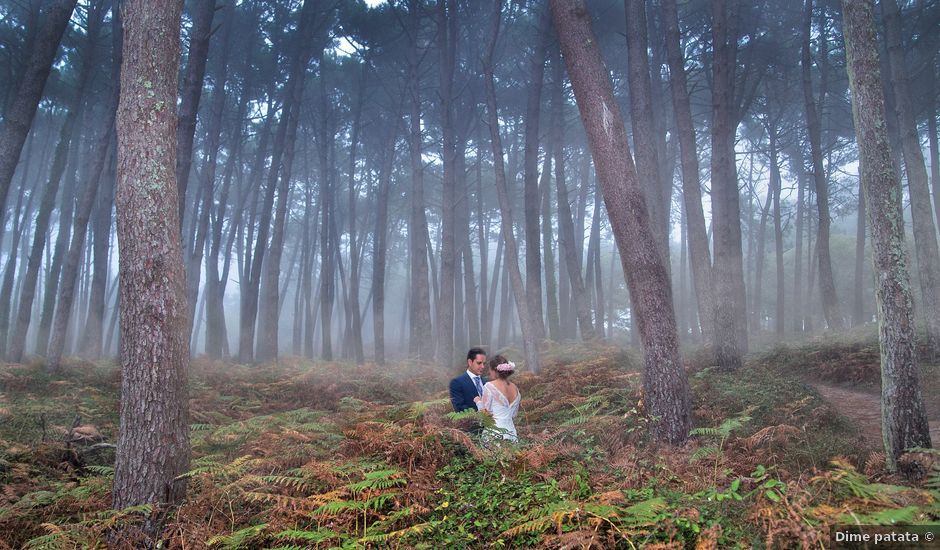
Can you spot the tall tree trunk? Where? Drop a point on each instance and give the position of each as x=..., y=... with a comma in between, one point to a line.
x=858, y=308
x=730, y=304
x=67, y=134
x=665, y=385
x=827, y=288
x=530, y=333
x=325, y=135
x=356, y=320
x=447, y=45
x=70, y=270
x=567, y=238
x=420, y=334
x=380, y=238
x=269, y=306
x=551, y=282
x=190, y=94
x=530, y=190
x=153, y=442
x=775, y=183
x=903, y=418
x=699, y=253
x=797, y=162
x=215, y=313
x=18, y=118
x=641, y=119
x=925, y=232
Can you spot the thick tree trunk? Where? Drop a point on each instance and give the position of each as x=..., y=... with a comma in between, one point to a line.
x=665, y=385
x=903, y=418
x=530, y=333
x=153, y=442
x=18, y=118
x=827, y=289
x=925, y=232
x=699, y=253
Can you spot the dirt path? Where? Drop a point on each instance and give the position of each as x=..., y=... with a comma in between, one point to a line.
x=864, y=409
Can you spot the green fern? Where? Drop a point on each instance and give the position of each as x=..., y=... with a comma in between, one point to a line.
x=316, y=537
x=238, y=539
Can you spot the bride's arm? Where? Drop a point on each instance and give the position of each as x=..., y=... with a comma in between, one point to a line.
x=485, y=403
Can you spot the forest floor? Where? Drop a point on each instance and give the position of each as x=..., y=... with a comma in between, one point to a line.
x=303, y=454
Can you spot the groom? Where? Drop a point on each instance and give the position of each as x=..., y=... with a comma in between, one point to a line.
x=469, y=385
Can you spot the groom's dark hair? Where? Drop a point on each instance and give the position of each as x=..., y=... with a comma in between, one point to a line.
x=472, y=354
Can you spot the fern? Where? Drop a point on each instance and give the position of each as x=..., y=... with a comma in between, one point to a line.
x=318, y=536
x=238, y=539
x=385, y=537
x=104, y=471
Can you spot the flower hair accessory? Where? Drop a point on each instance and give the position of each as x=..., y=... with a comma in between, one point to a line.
x=506, y=367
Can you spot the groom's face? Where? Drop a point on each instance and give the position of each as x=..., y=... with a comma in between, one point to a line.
x=477, y=364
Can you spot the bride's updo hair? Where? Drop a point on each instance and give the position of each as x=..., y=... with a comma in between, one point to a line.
x=501, y=367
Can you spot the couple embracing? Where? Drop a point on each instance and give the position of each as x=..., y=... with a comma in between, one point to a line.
x=497, y=396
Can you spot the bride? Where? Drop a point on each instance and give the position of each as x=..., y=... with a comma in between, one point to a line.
x=501, y=398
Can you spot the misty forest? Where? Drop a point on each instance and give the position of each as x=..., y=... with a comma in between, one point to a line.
x=246, y=245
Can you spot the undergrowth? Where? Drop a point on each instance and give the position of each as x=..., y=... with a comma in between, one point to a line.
x=301, y=455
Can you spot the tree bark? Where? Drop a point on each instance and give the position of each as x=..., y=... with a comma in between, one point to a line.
x=664, y=380
x=903, y=418
x=925, y=232
x=153, y=442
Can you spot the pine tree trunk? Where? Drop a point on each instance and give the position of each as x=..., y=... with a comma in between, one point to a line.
x=858, y=308
x=903, y=418
x=447, y=38
x=530, y=191
x=153, y=442
x=67, y=139
x=730, y=305
x=665, y=385
x=529, y=326
x=420, y=335
x=551, y=281
x=925, y=232
x=567, y=238
x=827, y=289
x=699, y=253
x=70, y=270
x=18, y=117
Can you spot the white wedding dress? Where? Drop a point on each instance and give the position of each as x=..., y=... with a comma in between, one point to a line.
x=503, y=412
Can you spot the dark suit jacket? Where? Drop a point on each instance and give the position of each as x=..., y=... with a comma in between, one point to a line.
x=462, y=392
